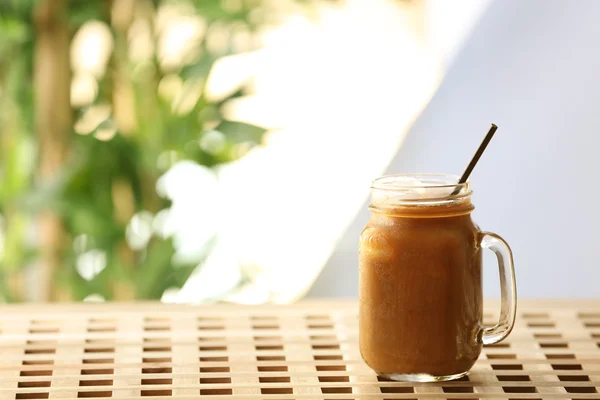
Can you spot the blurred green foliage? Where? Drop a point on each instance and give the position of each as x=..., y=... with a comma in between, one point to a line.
x=104, y=183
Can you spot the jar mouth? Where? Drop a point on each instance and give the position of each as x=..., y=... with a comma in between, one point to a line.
x=419, y=188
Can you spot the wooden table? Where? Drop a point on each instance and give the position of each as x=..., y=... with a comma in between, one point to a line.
x=303, y=351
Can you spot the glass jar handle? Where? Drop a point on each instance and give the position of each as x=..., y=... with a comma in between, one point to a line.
x=508, y=288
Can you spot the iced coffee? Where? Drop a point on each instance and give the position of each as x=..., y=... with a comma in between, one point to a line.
x=420, y=280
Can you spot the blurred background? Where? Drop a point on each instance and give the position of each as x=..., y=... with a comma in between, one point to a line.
x=221, y=150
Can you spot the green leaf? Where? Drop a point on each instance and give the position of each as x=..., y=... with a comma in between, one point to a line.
x=199, y=69
x=16, y=225
x=13, y=30
x=21, y=9
x=82, y=11
x=154, y=269
x=213, y=10
x=240, y=92
x=14, y=173
x=239, y=132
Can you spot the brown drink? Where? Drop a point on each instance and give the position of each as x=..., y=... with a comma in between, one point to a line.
x=420, y=281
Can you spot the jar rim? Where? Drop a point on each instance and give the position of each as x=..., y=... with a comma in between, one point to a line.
x=407, y=190
x=427, y=180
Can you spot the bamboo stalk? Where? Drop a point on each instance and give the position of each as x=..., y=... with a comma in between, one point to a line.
x=121, y=93
x=53, y=119
x=13, y=287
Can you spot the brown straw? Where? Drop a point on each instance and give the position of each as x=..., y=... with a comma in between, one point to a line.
x=478, y=153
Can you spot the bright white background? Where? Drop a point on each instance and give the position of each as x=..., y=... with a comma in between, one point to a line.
x=533, y=68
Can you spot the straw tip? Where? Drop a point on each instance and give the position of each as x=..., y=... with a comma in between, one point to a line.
x=494, y=126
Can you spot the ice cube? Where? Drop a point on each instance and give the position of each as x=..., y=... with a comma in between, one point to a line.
x=402, y=188
x=412, y=188
x=438, y=192
x=399, y=189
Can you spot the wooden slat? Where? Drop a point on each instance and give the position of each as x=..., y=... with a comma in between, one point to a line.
x=299, y=358
x=241, y=357
x=69, y=376
x=127, y=378
x=11, y=357
x=185, y=362
x=301, y=351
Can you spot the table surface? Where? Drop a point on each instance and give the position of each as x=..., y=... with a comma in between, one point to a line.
x=303, y=351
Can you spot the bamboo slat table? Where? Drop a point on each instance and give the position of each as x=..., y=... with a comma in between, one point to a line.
x=304, y=351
